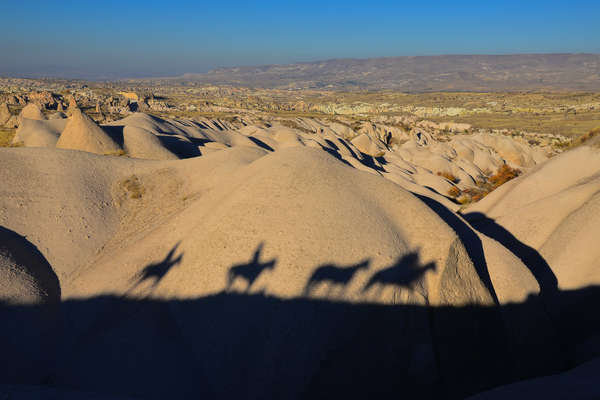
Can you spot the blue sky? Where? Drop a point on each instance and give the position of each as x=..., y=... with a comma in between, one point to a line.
x=166, y=38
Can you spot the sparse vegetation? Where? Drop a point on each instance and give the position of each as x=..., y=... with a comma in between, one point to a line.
x=118, y=153
x=471, y=195
x=503, y=175
x=6, y=137
x=591, y=138
x=294, y=125
x=448, y=176
x=454, y=192
x=133, y=187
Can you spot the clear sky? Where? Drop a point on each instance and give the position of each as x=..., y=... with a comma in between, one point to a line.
x=129, y=38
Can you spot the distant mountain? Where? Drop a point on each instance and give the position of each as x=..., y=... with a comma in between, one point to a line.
x=421, y=73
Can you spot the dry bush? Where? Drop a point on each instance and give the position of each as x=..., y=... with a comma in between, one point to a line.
x=454, y=192
x=448, y=176
x=474, y=194
x=503, y=175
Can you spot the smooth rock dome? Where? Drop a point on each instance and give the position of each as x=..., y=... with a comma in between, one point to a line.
x=36, y=133
x=82, y=133
x=31, y=111
x=29, y=301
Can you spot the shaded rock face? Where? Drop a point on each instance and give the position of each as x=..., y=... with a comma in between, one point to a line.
x=27, y=276
x=141, y=143
x=13, y=100
x=27, y=338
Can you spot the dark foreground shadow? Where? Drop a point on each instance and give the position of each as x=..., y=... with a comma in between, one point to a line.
x=236, y=345
x=254, y=346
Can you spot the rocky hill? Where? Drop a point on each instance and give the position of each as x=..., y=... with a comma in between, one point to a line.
x=422, y=73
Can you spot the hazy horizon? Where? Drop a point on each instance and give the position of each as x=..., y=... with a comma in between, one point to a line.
x=116, y=40
x=62, y=73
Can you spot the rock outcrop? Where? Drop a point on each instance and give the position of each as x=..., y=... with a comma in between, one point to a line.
x=29, y=301
x=82, y=133
x=31, y=111
x=4, y=114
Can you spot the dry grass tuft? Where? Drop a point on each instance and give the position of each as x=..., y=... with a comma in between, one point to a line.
x=118, y=153
x=449, y=176
x=454, y=192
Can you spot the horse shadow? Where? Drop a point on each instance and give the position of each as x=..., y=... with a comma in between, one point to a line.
x=249, y=272
x=405, y=272
x=334, y=276
x=157, y=271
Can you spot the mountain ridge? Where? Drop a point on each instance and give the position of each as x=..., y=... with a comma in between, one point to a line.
x=561, y=71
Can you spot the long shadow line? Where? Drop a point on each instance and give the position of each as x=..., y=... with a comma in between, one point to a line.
x=530, y=256
x=469, y=238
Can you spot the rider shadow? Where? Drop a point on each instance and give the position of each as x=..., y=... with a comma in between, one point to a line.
x=249, y=272
x=157, y=271
x=334, y=275
x=403, y=273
